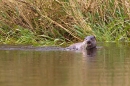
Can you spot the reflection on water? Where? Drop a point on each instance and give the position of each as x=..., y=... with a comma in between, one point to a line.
x=110, y=66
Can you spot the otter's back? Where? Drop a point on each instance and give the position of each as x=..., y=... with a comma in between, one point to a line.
x=75, y=46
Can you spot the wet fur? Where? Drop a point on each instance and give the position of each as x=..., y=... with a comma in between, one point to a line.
x=84, y=45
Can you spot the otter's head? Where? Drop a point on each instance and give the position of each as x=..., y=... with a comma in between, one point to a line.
x=90, y=42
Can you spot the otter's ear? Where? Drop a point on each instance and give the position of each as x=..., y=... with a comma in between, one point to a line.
x=94, y=37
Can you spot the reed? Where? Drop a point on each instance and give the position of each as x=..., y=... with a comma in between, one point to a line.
x=57, y=22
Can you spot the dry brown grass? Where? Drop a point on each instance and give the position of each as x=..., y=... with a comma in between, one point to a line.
x=56, y=18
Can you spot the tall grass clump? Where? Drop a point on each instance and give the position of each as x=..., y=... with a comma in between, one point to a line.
x=55, y=22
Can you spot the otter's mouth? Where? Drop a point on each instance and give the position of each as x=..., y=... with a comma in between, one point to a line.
x=89, y=43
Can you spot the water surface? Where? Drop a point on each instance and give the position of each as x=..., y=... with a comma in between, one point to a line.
x=108, y=66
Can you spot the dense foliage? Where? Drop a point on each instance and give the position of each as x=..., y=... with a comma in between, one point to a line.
x=57, y=22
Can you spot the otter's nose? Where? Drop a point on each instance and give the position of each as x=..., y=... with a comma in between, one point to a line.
x=88, y=42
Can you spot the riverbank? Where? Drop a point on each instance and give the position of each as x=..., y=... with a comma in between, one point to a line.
x=55, y=22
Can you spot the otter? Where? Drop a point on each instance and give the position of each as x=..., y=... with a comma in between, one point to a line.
x=88, y=43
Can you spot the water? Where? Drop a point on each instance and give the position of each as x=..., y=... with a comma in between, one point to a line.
x=109, y=66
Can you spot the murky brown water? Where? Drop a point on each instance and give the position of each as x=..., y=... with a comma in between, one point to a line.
x=110, y=66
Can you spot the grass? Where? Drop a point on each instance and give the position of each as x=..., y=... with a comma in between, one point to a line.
x=59, y=22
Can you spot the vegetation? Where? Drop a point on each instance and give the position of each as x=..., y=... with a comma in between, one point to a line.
x=58, y=22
